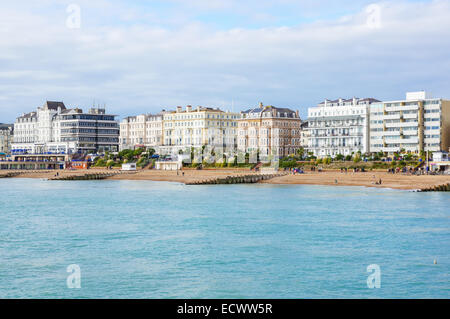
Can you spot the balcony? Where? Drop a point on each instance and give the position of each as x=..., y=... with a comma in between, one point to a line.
x=410, y=116
x=393, y=140
x=401, y=108
x=410, y=132
x=392, y=117
x=401, y=124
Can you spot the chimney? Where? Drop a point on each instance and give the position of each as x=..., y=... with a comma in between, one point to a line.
x=188, y=108
x=340, y=101
x=326, y=102
x=296, y=114
x=354, y=101
x=179, y=109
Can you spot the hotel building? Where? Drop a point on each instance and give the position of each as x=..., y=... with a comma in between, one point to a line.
x=270, y=130
x=6, y=136
x=339, y=127
x=202, y=126
x=56, y=129
x=144, y=130
x=419, y=123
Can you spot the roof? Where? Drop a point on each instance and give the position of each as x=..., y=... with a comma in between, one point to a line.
x=52, y=105
x=369, y=99
x=269, y=109
x=29, y=115
x=6, y=126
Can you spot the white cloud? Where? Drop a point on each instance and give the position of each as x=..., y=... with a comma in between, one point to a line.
x=140, y=67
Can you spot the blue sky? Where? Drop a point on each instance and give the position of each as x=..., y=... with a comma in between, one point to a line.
x=141, y=56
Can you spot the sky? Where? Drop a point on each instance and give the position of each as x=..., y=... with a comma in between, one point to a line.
x=143, y=56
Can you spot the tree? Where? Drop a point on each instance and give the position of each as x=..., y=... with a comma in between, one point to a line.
x=301, y=152
x=151, y=151
x=357, y=157
x=339, y=157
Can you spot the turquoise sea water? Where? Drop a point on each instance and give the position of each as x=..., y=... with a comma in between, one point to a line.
x=142, y=239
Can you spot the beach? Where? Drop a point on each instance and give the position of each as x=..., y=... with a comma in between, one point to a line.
x=327, y=177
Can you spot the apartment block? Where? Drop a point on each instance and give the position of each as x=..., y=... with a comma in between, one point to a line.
x=418, y=123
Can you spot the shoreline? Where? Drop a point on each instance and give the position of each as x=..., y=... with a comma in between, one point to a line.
x=327, y=177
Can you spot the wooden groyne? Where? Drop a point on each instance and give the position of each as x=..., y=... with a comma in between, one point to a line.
x=85, y=177
x=240, y=179
x=88, y=177
x=439, y=188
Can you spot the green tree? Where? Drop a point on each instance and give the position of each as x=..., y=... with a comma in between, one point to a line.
x=301, y=152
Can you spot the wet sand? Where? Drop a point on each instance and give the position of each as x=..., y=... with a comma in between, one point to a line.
x=368, y=179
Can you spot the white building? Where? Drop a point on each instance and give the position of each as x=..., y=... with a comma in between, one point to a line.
x=339, y=127
x=419, y=123
x=144, y=130
x=202, y=126
x=56, y=129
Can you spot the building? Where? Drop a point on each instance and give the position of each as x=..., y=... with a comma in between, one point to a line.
x=53, y=128
x=141, y=131
x=269, y=130
x=339, y=127
x=6, y=136
x=202, y=126
x=304, y=135
x=419, y=123
x=440, y=162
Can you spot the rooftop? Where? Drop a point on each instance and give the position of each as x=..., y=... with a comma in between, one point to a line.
x=261, y=109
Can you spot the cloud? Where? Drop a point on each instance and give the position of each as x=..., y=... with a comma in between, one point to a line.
x=126, y=57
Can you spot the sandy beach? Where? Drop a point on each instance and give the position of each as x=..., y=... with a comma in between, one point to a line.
x=368, y=179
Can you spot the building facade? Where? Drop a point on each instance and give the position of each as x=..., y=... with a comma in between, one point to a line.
x=339, y=127
x=6, y=136
x=269, y=130
x=304, y=135
x=202, y=126
x=54, y=128
x=418, y=123
x=144, y=130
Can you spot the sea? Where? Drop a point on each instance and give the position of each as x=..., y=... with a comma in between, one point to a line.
x=146, y=239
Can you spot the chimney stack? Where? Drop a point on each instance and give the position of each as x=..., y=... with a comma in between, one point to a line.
x=188, y=108
x=179, y=109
